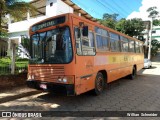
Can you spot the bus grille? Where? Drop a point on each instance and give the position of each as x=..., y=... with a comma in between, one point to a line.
x=49, y=74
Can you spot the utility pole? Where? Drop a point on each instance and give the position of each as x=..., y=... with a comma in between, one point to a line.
x=150, y=39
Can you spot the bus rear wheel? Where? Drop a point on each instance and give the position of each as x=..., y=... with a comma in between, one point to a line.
x=133, y=74
x=99, y=84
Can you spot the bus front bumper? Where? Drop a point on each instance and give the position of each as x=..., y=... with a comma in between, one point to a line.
x=67, y=89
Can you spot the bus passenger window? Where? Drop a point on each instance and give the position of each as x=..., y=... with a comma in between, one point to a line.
x=141, y=47
x=102, y=39
x=131, y=46
x=124, y=44
x=137, y=47
x=115, y=42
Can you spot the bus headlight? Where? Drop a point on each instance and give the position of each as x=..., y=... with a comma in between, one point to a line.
x=29, y=77
x=32, y=76
x=66, y=79
x=59, y=80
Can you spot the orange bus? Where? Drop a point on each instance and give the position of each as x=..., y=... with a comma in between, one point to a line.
x=75, y=55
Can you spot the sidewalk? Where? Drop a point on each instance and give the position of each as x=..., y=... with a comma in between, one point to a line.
x=15, y=93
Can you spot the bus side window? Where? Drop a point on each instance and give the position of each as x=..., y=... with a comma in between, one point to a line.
x=141, y=47
x=84, y=45
x=114, y=42
x=124, y=44
x=102, y=39
x=137, y=47
x=131, y=46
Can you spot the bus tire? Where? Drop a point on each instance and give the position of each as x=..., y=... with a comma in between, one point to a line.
x=132, y=76
x=99, y=84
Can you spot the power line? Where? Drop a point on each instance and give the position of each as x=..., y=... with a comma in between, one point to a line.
x=109, y=8
x=91, y=10
x=127, y=5
x=123, y=10
x=115, y=9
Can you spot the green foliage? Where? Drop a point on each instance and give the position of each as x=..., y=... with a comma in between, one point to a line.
x=5, y=62
x=121, y=25
x=155, y=45
x=152, y=11
x=25, y=43
x=132, y=27
x=107, y=16
x=109, y=20
x=5, y=66
x=156, y=22
x=16, y=8
x=109, y=23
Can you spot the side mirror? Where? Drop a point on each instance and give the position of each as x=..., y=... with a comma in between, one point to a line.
x=85, y=31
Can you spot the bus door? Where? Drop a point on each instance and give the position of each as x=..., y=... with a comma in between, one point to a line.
x=85, y=52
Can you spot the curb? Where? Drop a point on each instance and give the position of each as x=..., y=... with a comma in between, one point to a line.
x=21, y=95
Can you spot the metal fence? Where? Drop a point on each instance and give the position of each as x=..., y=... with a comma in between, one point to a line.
x=5, y=66
x=5, y=61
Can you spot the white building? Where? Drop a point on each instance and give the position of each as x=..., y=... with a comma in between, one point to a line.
x=46, y=9
x=156, y=33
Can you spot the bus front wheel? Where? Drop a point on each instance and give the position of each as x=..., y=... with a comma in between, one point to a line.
x=133, y=74
x=99, y=84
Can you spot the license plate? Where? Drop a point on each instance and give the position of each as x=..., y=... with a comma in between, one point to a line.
x=43, y=86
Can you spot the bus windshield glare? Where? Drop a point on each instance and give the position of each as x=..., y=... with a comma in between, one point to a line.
x=52, y=46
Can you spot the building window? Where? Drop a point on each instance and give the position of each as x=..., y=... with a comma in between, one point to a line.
x=51, y=4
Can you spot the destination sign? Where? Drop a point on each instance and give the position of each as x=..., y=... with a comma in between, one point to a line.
x=48, y=23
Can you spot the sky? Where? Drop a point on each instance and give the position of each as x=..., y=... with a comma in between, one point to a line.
x=98, y=7
x=125, y=8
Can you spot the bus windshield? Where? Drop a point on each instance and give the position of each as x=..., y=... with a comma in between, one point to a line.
x=52, y=46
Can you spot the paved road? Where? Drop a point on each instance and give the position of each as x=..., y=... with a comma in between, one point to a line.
x=141, y=94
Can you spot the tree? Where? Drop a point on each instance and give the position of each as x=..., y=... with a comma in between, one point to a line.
x=156, y=22
x=109, y=23
x=121, y=25
x=155, y=45
x=110, y=16
x=17, y=9
x=132, y=27
x=152, y=11
x=109, y=20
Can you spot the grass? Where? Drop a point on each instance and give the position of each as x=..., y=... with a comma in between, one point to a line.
x=5, y=65
x=5, y=62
